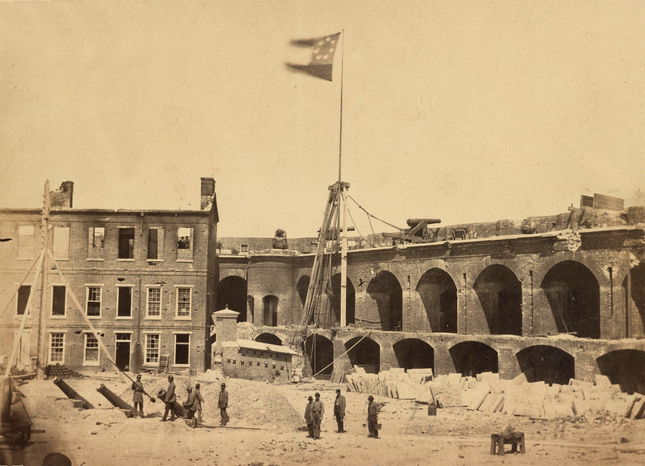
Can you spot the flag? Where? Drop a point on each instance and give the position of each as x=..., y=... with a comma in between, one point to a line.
x=322, y=56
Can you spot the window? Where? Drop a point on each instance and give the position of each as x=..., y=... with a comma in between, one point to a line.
x=23, y=297
x=93, y=302
x=124, y=301
x=56, y=347
x=61, y=242
x=183, y=301
x=153, y=302
x=126, y=243
x=91, y=355
x=182, y=349
x=58, y=300
x=95, y=242
x=155, y=243
x=26, y=242
x=244, y=248
x=152, y=348
x=185, y=244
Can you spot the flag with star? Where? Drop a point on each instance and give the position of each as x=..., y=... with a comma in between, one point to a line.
x=322, y=56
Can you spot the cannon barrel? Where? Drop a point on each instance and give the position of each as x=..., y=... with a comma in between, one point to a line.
x=113, y=398
x=412, y=222
x=71, y=393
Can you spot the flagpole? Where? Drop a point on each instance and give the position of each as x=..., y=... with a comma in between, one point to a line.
x=340, y=138
x=342, y=200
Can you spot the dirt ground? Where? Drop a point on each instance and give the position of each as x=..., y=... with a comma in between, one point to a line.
x=267, y=428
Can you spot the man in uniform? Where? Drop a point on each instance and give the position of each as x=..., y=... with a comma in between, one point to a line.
x=137, y=396
x=170, y=399
x=198, y=403
x=339, y=411
x=317, y=412
x=309, y=418
x=222, y=404
x=372, y=417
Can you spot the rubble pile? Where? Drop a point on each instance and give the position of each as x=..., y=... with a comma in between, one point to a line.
x=487, y=393
x=393, y=383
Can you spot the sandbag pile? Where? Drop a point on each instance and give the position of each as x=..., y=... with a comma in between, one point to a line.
x=393, y=383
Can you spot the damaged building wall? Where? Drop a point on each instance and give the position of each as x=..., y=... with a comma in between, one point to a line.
x=144, y=278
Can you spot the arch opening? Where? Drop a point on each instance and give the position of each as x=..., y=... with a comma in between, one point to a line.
x=625, y=368
x=472, y=357
x=320, y=353
x=231, y=292
x=438, y=294
x=386, y=292
x=413, y=353
x=637, y=299
x=269, y=338
x=335, y=299
x=574, y=296
x=542, y=363
x=367, y=354
x=270, y=310
x=500, y=294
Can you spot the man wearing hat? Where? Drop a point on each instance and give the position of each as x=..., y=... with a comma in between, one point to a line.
x=372, y=417
x=222, y=404
x=198, y=402
x=308, y=419
x=339, y=410
x=317, y=412
x=170, y=399
x=137, y=396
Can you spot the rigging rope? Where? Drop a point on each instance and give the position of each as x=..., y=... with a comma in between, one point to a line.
x=341, y=355
x=373, y=216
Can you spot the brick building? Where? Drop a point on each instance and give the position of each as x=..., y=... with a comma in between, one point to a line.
x=145, y=278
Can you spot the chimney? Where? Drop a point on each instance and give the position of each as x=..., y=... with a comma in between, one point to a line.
x=207, y=193
x=62, y=198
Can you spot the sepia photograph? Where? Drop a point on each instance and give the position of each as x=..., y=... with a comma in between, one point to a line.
x=322, y=232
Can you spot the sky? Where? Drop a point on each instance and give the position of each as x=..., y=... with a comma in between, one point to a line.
x=461, y=110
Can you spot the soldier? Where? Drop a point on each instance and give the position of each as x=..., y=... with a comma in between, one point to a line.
x=317, y=413
x=198, y=403
x=222, y=404
x=169, y=399
x=372, y=417
x=137, y=396
x=309, y=418
x=339, y=411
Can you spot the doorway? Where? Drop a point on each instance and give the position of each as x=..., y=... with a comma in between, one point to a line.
x=123, y=351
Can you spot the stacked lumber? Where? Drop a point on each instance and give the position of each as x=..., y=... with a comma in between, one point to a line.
x=393, y=383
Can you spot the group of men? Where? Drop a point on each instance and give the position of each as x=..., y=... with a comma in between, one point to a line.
x=315, y=410
x=192, y=405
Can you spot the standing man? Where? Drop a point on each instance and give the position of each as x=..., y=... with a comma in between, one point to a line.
x=317, y=412
x=137, y=396
x=372, y=417
x=170, y=399
x=309, y=419
x=339, y=411
x=198, y=403
x=222, y=404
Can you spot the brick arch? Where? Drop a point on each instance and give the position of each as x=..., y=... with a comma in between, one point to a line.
x=386, y=292
x=500, y=295
x=414, y=353
x=438, y=293
x=473, y=357
x=268, y=337
x=366, y=353
x=546, y=363
x=573, y=294
x=596, y=267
